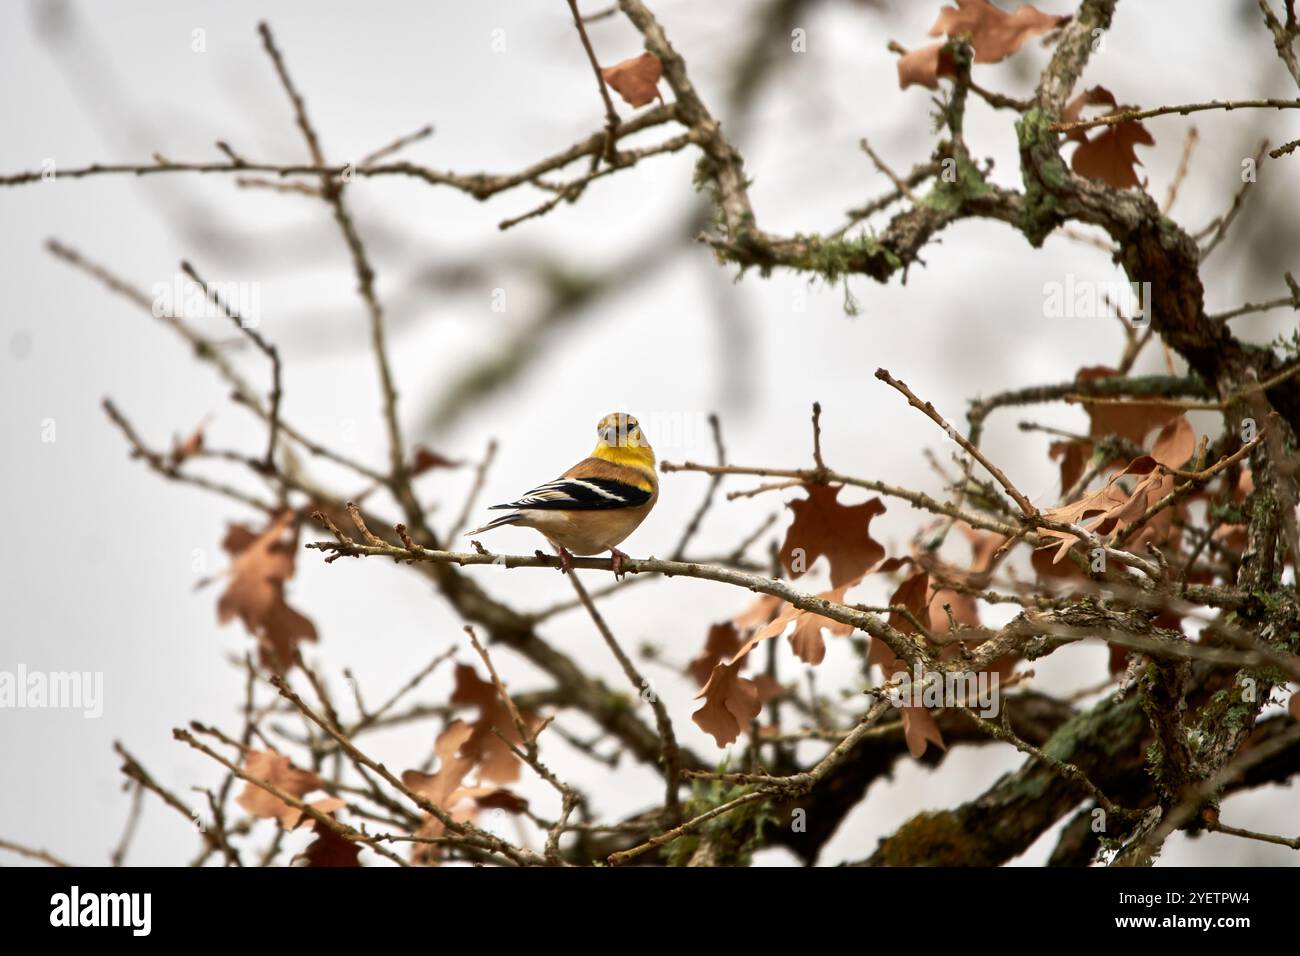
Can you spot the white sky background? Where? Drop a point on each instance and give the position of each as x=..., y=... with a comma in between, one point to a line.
x=97, y=569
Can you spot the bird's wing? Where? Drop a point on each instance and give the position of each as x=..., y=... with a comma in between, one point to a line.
x=582, y=494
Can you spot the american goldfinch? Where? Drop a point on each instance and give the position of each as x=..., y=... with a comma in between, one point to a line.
x=598, y=502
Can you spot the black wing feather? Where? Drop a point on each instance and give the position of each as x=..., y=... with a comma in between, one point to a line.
x=582, y=494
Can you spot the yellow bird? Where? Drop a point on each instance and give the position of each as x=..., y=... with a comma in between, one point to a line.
x=598, y=502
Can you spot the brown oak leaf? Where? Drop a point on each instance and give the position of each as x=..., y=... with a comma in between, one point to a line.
x=276, y=769
x=806, y=638
x=262, y=564
x=497, y=762
x=330, y=849
x=914, y=594
x=423, y=459
x=1074, y=455
x=764, y=608
x=1111, y=506
x=924, y=65
x=1131, y=420
x=823, y=526
x=993, y=34
x=722, y=643
x=444, y=787
x=636, y=80
x=1108, y=154
x=731, y=703
x=1175, y=444
x=919, y=728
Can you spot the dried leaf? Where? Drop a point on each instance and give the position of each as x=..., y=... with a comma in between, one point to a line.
x=914, y=594
x=497, y=762
x=423, y=460
x=919, y=728
x=444, y=787
x=276, y=769
x=1109, y=153
x=806, y=638
x=181, y=450
x=759, y=613
x=452, y=766
x=636, y=80
x=1110, y=507
x=722, y=643
x=731, y=703
x=924, y=65
x=501, y=799
x=768, y=687
x=1131, y=420
x=330, y=849
x=1074, y=455
x=994, y=34
x=1175, y=444
x=823, y=526
x=262, y=564
x=1073, y=112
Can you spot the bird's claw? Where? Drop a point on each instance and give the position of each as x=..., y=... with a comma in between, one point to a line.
x=616, y=562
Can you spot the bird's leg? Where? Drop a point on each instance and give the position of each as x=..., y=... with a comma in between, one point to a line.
x=566, y=560
x=617, y=557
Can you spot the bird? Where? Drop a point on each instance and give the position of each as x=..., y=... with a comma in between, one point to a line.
x=598, y=502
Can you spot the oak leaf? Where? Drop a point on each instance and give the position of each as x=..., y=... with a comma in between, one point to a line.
x=1109, y=508
x=731, y=703
x=924, y=65
x=1074, y=455
x=1131, y=420
x=1109, y=153
x=823, y=526
x=1175, y=444
x=497, y=762
x=919, y=727
x=721, y=643
x=636, y=80
x=445, y=787
x=276, y=769
x=764, y=608
x=806, y=638
x=263, y=563
x=992, y=33
x=453, y=766
x=330, y=849
x=424, y=459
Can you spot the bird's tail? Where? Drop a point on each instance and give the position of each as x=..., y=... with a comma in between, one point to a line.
x=511, y=518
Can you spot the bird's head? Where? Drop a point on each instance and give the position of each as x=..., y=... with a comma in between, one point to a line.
x=619, y=438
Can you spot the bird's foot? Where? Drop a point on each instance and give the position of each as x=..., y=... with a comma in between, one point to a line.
x=566, y=561
x=616, y=561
